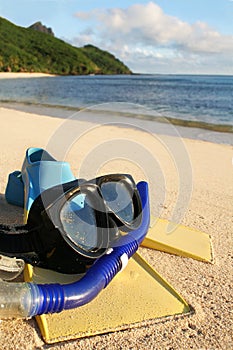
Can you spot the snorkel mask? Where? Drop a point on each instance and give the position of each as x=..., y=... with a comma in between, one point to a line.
x=71, y=225
x=52, y=229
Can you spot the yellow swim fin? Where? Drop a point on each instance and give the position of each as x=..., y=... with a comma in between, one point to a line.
x=178, y=239
x=136, y=294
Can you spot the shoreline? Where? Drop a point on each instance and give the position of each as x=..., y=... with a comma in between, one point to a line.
x=13, y=75
x=187, y=129
x=198, y=115
x=164, y=161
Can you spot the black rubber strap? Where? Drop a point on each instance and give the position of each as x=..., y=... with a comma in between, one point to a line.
x=19, y=239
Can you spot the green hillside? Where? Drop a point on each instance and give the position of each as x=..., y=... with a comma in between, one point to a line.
x=108, y=64
x=27, y=50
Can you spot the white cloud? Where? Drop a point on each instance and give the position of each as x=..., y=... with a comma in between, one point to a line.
x=84, y=37
x=145, y=31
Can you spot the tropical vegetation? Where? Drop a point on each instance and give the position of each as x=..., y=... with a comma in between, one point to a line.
x=29, y=50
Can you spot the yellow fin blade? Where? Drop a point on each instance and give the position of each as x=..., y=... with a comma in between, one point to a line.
x=178, y=239
x=136, y=294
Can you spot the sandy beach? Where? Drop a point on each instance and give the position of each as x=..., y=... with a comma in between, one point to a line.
x=190, y=180
x=12, y=75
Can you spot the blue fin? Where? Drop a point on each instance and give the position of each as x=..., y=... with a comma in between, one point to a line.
x=40, y=171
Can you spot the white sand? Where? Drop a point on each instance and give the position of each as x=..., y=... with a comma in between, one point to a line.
x=6, y=75
x=174, y=168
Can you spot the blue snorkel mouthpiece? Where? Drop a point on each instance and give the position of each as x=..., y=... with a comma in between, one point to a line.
x=29, y=299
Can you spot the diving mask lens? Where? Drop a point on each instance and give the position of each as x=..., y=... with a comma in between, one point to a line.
x=79, y=222
x=91, y=215
x=118, y=199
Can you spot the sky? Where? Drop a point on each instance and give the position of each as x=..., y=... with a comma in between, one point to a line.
x=156, y=37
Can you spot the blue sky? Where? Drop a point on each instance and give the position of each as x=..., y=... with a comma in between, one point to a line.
x=161, y=36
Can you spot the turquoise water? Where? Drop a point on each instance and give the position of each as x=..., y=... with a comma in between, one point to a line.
x=189, y=100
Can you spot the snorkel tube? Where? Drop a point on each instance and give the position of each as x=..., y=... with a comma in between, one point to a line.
x=29, y=299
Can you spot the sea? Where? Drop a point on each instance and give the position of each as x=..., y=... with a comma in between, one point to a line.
x=197, y=101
